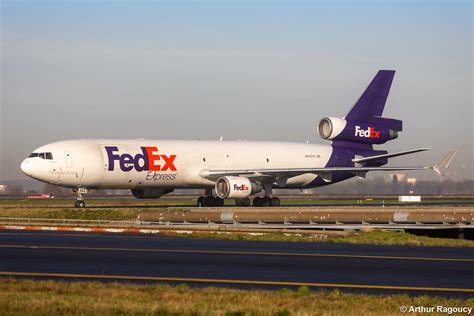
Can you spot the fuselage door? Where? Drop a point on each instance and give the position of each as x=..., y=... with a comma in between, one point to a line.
x=68, y=158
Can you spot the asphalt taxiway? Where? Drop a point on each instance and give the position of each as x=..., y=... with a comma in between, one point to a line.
x=243, y=264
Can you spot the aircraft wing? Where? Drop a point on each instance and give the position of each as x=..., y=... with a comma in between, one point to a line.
x=325, y=173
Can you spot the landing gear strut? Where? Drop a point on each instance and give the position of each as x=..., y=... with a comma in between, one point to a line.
x=80, y=203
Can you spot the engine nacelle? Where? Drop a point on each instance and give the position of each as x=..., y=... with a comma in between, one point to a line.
x=236, y=187
x=150, y=193
x=333, y=128
x=330, y=127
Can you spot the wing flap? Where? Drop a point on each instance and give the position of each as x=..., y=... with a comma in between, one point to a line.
x=378, y=157
x=325, y=173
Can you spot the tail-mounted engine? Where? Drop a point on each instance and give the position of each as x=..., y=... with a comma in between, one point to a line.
x=333, y=128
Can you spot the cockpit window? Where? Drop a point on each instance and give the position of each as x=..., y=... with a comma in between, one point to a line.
x=48, y=156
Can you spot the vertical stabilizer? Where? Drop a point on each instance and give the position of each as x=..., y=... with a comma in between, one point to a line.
x=372, y=101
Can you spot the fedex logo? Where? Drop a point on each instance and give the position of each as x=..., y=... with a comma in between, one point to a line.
x=241, y=187
x=147, y=160
x=368, y=133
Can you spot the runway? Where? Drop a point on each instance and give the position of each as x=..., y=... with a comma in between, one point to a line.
x=242, y=264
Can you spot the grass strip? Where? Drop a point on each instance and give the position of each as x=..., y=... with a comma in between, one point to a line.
x=47, y=297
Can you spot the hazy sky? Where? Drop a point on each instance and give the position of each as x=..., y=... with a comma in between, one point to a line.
x=242, y=70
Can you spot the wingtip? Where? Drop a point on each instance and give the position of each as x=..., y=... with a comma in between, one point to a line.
x=445, y=162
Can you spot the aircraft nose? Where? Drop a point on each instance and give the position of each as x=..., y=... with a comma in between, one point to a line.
x=26, y=167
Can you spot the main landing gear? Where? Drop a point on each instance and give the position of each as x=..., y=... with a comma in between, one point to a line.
x=268, y=199
x=208, y=200
x=242, y=202
x=80, y=203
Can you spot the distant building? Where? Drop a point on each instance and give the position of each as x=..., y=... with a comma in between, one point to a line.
x=401, y=184
x=398, y=177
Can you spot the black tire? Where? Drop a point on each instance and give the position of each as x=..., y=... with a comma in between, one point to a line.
x=200, y=201
x=245, y=202
x=275, y=201
x=238, y=202
x=257, y=201
x=266, y=201
x=218, y=202
x=80, y=204
x=209, y=201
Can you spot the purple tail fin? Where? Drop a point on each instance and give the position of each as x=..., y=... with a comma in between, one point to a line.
x=372, y=101
x=370, y=106
x=366, y=116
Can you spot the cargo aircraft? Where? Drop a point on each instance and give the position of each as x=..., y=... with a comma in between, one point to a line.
x=229, y=169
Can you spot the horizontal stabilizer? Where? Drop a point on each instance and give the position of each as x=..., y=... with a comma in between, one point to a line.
x=378, y=157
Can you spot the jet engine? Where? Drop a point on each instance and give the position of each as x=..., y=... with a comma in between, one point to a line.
x=150, y=193
x=333, y=128
x=236, y=187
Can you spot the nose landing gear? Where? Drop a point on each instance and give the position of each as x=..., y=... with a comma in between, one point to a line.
x=80, y=203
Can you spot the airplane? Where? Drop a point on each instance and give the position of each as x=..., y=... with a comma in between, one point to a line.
x=230, y=169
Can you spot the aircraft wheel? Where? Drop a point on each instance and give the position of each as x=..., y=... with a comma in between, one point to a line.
x=218, y=202
x=80, y=204
x=245, y=202
x=266, y=201
x=208, y=201
x=275, y=201
x=200, y=201
x=257, y=201
x=238, y=202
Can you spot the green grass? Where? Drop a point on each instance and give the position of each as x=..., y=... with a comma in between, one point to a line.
x=375, y=237
x=379, y=237
x=191, y=201
x=27, y=297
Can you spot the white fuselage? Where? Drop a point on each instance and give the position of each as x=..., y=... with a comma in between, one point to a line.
x=165, y=163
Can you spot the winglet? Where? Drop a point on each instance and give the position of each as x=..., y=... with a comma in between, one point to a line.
x=445, y=162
